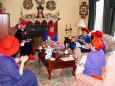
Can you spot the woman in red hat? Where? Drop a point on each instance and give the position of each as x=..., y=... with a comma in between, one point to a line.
x=82, y=44
x=99, y=34
x=20, y=33
x=84, y=38
x=10, y=73
x=96, y=59
x=26, y=45
x=93, y=67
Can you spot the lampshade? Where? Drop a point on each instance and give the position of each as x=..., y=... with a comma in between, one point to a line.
x=82, y=23
x=114, y=36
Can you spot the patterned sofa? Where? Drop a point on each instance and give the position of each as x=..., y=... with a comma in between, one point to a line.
x=108, y=72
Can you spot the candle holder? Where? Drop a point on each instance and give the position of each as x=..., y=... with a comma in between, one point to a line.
x=68, y=35
x=68, y=30
x=66, y=41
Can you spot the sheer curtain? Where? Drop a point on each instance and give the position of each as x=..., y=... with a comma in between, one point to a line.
x=99, y=15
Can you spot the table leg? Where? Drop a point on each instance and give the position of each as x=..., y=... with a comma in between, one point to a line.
x=39, y=60
x=49, y=73
x=39, y=65
x=73, y=71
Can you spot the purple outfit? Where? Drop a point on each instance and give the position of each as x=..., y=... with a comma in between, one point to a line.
x=9, y=75
x=94, y=63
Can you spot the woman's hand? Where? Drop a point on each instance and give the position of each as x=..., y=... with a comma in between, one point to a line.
x=87, y=45
x=82, y=40
x=24, y=59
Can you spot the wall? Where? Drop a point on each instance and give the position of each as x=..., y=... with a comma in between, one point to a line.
x=68, y=9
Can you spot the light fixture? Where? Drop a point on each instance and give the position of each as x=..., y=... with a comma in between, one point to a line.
x=81, y=23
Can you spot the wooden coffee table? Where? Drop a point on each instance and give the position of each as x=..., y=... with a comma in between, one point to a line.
x=56, y=64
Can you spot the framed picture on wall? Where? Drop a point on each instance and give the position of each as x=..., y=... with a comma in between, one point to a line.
x=51, y=5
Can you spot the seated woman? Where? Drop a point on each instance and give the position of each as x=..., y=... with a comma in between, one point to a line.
x=12, y=74
x=82, y=44
x=108, y=77
x=96, y=59
x=93, y=67
x=84, y=39
x=51, y=34
x=26, y=44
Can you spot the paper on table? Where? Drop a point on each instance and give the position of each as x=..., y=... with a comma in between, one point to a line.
x=67, y=58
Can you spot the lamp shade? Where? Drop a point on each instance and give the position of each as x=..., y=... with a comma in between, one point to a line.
x=82, y=23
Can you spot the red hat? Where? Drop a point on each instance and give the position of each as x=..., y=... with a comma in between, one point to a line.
x=93, y=34
x=97, y=43
x=31, y=57
x=99, y=34
x=85, y=29
x=9, y=46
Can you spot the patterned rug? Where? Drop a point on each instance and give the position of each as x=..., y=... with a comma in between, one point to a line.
x=60, y=77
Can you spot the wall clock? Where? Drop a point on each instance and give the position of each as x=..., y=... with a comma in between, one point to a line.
x=83, y=11
x=51, y=5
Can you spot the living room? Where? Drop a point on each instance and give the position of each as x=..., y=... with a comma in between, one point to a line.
x=67, y=19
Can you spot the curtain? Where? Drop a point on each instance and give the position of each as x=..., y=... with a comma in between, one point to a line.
x=112, y=23
x=107, y=16
x=92, y=13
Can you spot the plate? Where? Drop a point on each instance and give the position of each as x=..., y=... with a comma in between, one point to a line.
x=51, y=5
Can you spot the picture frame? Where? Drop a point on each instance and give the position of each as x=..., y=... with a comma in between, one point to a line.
x=51, y=5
